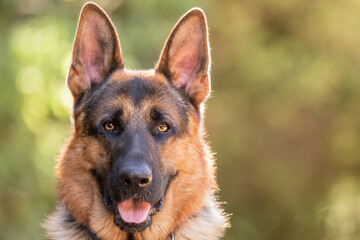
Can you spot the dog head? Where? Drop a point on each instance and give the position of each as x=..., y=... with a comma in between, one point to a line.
x=136, y=157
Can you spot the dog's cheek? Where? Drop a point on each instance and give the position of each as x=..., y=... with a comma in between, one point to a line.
x=98, y=154
x=170, y=156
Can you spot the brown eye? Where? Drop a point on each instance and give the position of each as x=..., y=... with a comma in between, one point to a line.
x=109, y=126
x=163, y=127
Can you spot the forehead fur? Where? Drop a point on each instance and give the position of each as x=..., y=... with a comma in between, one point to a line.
x=134, y=91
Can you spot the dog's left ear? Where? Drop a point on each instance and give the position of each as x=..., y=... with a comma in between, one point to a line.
x=185, y=58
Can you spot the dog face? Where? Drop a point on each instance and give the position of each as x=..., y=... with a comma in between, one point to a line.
x=134, y=121
x=137, y=136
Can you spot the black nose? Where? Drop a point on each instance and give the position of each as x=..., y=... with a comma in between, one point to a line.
x=135, y=176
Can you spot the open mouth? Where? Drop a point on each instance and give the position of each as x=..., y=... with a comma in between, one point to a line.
x=134, y=215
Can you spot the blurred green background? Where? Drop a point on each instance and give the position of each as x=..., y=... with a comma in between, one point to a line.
x=283, y=119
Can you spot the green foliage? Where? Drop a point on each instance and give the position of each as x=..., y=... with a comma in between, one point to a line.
x=283, y=117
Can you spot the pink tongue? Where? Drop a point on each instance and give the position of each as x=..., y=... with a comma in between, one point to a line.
x=134, y=210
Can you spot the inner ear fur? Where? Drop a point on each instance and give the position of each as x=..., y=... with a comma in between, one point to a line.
x=96, y=50
x=185, y=58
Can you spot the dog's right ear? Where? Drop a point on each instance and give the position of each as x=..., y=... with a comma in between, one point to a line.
x=96, y=50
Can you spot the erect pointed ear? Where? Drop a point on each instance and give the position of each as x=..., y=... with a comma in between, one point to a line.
x=185, y=58
x=96, y=50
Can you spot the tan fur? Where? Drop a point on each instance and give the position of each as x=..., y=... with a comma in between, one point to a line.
x=190, y=210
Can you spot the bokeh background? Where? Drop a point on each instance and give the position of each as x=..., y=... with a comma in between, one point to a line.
x=283, y=119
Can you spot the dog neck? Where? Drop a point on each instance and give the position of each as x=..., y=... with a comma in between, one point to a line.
x=208, y=224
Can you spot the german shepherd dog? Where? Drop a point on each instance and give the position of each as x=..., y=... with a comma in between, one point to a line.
x=137, y=165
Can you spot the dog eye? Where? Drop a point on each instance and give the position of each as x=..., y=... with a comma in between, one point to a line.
x=163, y=127
x=109, y=126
